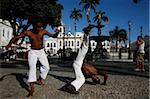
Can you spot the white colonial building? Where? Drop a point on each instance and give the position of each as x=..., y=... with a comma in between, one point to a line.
x=6, y=32
x=64, y=40
x=106, y=45
x=69, y=41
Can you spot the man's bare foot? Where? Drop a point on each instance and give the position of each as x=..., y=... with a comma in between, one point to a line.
x=32, y=90
x=40, y=82
x=104, y=83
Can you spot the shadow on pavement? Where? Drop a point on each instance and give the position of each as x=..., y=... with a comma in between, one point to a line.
x=62, y=78
x=68, y=79
x=20, y=78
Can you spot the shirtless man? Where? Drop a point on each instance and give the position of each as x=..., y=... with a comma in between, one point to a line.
x=89, y=71
x=36, y=53
x=83, y=71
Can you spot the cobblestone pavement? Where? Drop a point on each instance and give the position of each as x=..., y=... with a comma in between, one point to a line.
x=13, y=84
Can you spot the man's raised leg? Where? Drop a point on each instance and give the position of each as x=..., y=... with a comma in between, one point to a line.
x=80, y=79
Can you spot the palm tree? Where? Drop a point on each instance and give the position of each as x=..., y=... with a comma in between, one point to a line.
x=87, y=6
x=75, y=15
x=118, y=35
x=136, y=1
x=99, y=17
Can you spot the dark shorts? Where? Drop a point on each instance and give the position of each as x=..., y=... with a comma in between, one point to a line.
x=140, y=57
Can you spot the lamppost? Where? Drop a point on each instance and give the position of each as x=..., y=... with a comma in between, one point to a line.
x=129, y=50
x=64, y=43
x=75, y=37
x=141, y=31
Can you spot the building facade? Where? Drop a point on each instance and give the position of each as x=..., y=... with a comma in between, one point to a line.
x=64, y=40
x=69, y=41
x=6, y=32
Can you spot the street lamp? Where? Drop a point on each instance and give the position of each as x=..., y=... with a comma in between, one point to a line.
x=75, y=37
x=64, y=43
x=141, y=31
x=129, y=50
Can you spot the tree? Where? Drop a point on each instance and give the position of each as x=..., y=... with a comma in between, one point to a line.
x=87, y=6
x=75, y=15
x=25, y=12
x=136, y=1
x=99, y=17
x=118, y=35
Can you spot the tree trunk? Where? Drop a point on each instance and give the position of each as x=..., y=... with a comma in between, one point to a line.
x=88, y=16
x=75, y=36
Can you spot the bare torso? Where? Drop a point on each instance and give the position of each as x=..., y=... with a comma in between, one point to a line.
x=88, y=70
x=36, y=38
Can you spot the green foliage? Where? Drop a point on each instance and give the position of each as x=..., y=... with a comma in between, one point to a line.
x=89, y=4
x=118, y=34
x=48, y=11
x=99, y=17
x=75, y=14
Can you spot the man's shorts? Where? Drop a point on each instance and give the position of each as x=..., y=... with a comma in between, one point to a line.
x=140, y=57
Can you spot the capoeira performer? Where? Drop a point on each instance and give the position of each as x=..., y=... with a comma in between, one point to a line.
x=36, y=53
x=78, y=66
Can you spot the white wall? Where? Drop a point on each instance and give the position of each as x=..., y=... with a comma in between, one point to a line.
x=6, y=32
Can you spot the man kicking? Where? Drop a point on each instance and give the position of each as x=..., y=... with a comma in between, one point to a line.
x=74, y=86
x=36, y=53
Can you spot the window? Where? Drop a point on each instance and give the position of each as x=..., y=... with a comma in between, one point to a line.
x=54, y=44
x=77, y=43
x=69, y=43
x=60, y=43
x=51, y=44
x=65, y=43
x=72, y=43
x=47, y=44
x=3, y=32
x=60, y=29
x=93, y=44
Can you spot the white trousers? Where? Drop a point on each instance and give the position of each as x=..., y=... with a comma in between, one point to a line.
x=80, y=79
x=33, y=56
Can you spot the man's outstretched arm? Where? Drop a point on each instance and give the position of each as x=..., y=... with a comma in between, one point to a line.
x=51, y=34
x=14, y=39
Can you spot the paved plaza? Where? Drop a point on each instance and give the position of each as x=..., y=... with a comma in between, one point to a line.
x=123, y=82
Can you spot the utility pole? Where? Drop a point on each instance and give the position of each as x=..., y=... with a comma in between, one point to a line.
x=75, y=37
x=141, y=28
x=129, y=50
x=64, y=43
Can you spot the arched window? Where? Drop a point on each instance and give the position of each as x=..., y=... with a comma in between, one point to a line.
x=47, y=44
x=54, y=44
x=60, y=29
x=69, y=44
x=51, y=44
x=3, y=32
x=93, y=44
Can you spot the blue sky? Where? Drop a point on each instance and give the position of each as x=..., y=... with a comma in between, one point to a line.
x=119, y=13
